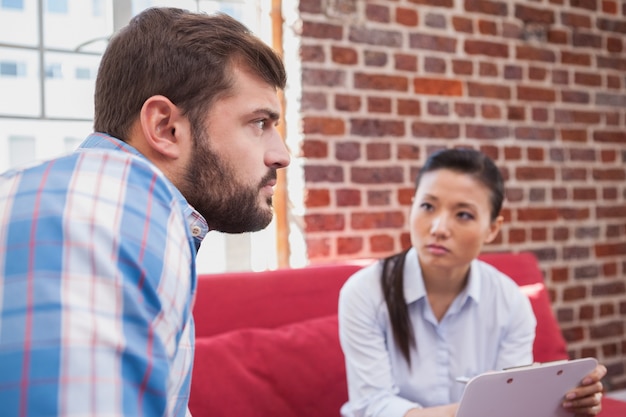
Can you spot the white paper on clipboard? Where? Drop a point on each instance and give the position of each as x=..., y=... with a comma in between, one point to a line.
x=536, y=390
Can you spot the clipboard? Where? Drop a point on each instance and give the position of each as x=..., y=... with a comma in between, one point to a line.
x=533, y=390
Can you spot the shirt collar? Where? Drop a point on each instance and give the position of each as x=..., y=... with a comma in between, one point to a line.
x=414, y=288
x=197, y=224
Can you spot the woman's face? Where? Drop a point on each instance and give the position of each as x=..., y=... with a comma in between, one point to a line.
x=451, y=220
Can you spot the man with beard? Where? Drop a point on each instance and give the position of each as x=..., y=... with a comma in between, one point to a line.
x=97, y=248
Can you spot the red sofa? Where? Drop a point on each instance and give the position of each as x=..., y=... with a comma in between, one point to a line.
x=267, y=342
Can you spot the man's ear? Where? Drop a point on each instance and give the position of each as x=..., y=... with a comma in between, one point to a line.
x=494, y=228
x=164, y=127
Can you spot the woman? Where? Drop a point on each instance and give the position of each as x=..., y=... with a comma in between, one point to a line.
x=413, y=323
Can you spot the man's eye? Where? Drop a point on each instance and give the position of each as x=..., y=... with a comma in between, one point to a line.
x=261, y=124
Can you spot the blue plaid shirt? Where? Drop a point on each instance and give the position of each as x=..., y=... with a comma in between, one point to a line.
x=97, y=282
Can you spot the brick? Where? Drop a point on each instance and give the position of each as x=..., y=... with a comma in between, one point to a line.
x=575, y=20
x=517, y=236
x=609, y=174
x=574, y=214
x=379, y=105
x=614, y=45
x=487, y=69
x=537, y=74
x=323, y=125
x=462, y=67
x=576, y=58
x=573, y=116
x=557, y=154
x=405, y=196
x=585, y=194
x=535, y=173
x=462, y=24
x=604, y=136
x=611, y=329
x=378, y=197
x=312, y=53
x=381, y=243
x=531, y=53
x=348, y=197
x=615, y=63
x=319, y=30
x=314, y=149
x=375, y=58
x=586, y=40
x=377, y=220
x=565, y=315
x=603, y=250
x=573, y=174
x=516, y=113
x=588, y=79
x=488, y=90
x=410, y=152
x=347, y=151
x=378, y=151
x=487, y=27
x=310, y=6
x=535, y=133
x=573, y=334
x=611, y=212
x=435, y=130
x=609, y=99
x=591, y=5
x=613, y=82
x=323, y=173
x=436, y=108
x=486, y=48
x=579, y=97
x=574, y=135
x=317, y=248
x=513, y=72
x=320, y=77
x=540, y=114
x=557, y=36
x=465, y=109
x=495, y=8
x=575, y=252
x=560, y=234
x=341, y=55
x=512, y=30
x=407, y=17
x=432, y=42
x=586, y=312
x=376, y=127
x=608, y=155
x=317, y=198
x=375, y=37
x=434, y=3
x=377, y=13
x=578, y=292
x=537, y=214
x=377, y=175
x=324, y=222
x=434, y=65
x=534, y=15
x=313, y=101
x=405, y=62
x=349, y=245
x=437, y=86
x=381, y=82
x=408, y=107
x=512, y=153
x=609, y=7
x=535, y=94
x=490, y=111
x=348, y=103
x=435, y=20
x=538, y=235
x=611, y=25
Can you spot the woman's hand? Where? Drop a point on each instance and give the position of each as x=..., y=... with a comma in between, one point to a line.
x=441, y=411
x=585, y=400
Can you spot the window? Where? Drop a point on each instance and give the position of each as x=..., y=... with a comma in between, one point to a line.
x=97, y=8
x=12, y=69
x=57, y=6
x=83, y=73
x=54, y=71
x=12, y=4
x=21, y=150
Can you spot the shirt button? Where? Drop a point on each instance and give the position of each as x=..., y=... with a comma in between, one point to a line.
x=195, y=231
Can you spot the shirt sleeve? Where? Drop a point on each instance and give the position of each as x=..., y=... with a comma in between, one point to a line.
x=371, y=388
x=516, y=346
x=100, y=292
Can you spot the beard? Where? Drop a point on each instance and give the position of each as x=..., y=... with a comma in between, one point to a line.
x=210, y=186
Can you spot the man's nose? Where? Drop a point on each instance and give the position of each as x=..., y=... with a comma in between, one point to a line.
x=278, y=155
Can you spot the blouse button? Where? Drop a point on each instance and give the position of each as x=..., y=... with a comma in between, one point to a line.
x=195, y=231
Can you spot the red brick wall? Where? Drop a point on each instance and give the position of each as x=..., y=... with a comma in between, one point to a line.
x=538, y=85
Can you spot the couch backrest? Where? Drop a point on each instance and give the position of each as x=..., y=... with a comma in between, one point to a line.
x=270, y=299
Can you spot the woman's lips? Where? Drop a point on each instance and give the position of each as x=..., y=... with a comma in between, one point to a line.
x=437, y=249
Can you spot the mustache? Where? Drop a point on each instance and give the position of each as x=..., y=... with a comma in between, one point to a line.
x=270, y=176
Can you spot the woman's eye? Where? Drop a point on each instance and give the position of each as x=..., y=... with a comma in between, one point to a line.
x=464, y=215
x=426, y=206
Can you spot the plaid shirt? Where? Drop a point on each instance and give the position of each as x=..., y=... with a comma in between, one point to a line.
x=97, y=281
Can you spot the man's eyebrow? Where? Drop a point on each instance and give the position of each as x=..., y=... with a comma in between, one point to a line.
x=269, y=113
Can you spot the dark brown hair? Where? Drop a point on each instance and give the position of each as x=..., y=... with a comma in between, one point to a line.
x=462, y=160
x=184, y=56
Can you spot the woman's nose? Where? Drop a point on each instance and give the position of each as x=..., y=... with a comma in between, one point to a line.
x=439, y=226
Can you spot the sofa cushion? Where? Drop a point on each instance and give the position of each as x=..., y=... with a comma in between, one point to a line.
x=295, y=370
